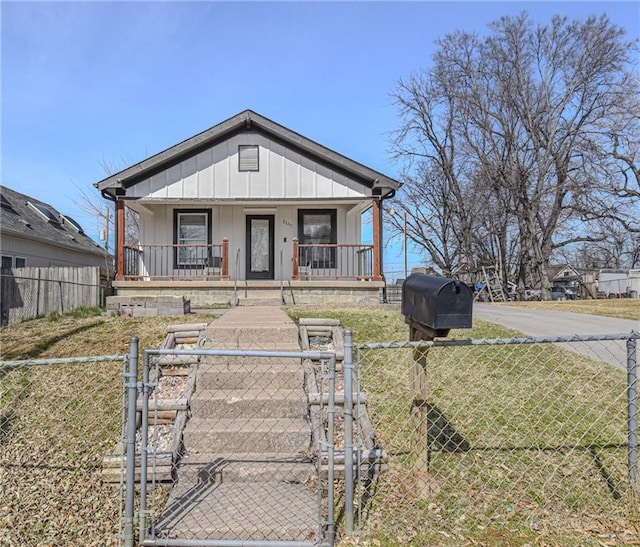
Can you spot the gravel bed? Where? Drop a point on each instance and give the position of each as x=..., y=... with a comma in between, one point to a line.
x=160, y=436
x=321, y=343
x=171, y=387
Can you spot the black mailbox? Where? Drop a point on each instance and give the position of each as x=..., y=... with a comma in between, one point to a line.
x=433, y=305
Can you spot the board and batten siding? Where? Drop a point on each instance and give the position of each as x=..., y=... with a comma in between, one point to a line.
x=214, y=174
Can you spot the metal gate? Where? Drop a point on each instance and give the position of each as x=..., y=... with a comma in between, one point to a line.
x=230, y=448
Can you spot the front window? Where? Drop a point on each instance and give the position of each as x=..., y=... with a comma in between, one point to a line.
x=21, y=262
x=7, y=262
x=317, y=227
x=192, y=237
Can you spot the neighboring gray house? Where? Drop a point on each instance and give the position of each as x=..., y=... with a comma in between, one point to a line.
x=33, y=233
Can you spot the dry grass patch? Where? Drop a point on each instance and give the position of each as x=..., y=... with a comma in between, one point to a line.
x=67, y=336
x=620, y=308
x=527, y=443
x=56, y=424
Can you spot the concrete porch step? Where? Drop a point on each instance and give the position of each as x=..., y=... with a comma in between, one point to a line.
x=249, y=403
x=242, y=373
x=263, y=300
x=261, y=362
x=246, y=467
x=281, y=435
x=249, y=335
x=241, y=511
x=251, y=326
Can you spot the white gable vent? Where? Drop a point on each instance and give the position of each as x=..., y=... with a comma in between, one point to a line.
x=248, y=157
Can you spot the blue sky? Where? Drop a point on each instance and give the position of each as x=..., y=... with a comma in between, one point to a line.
x=90, y=82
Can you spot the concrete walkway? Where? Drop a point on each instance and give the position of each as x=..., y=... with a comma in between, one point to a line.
x=247, y=471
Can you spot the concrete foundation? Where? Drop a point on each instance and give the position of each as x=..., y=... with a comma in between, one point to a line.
x=248, y=293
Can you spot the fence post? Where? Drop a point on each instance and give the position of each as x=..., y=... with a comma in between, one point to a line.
x=424, y=484
x=632, y=412
x=130, y=483
x=144, y=446
x=331, y=440
x=419, y=411
x=347, y=366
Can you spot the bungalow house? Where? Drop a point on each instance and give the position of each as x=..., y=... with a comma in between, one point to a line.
x=247, y=210
x=35, y=234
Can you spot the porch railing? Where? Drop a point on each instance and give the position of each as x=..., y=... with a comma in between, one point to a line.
x=332, y=261
x=176, y=262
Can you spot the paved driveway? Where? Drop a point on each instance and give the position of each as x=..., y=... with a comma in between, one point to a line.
x=534, y=322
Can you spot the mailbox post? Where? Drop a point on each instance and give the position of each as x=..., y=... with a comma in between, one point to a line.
x=431, y=307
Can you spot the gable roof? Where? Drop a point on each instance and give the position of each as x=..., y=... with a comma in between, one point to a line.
x=247, y=120
x=24, y=216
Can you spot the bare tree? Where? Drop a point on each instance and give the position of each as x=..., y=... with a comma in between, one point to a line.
x=92, y=204
x=517, y=124
x=132, y=218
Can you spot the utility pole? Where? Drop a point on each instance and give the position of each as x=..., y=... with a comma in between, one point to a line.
x=406, y=269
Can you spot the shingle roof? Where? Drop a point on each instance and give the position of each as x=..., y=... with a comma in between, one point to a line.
x=248, y=120
x=18, y=218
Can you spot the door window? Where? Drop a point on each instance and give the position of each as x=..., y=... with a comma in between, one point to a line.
x=260, y=247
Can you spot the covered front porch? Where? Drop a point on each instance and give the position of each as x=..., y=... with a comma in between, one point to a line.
x=261, y=262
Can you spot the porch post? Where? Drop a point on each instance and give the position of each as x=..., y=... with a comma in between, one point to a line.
x=377, y=241
x=119, y=239
x=224, y=274
x=294, y=268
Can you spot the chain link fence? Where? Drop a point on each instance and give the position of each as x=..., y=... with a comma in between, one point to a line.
x=454, y=442
x=59, y=419
x=498, y=441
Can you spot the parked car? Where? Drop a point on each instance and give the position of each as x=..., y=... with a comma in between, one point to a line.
x=529, y=293
x=533, y=294
x=562, y=293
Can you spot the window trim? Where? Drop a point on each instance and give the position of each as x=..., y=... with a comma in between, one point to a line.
x=242, y=147
x=330, y=262
x=176, y=216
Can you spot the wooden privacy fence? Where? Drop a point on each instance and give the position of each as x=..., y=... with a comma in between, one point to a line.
x=26, y=293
